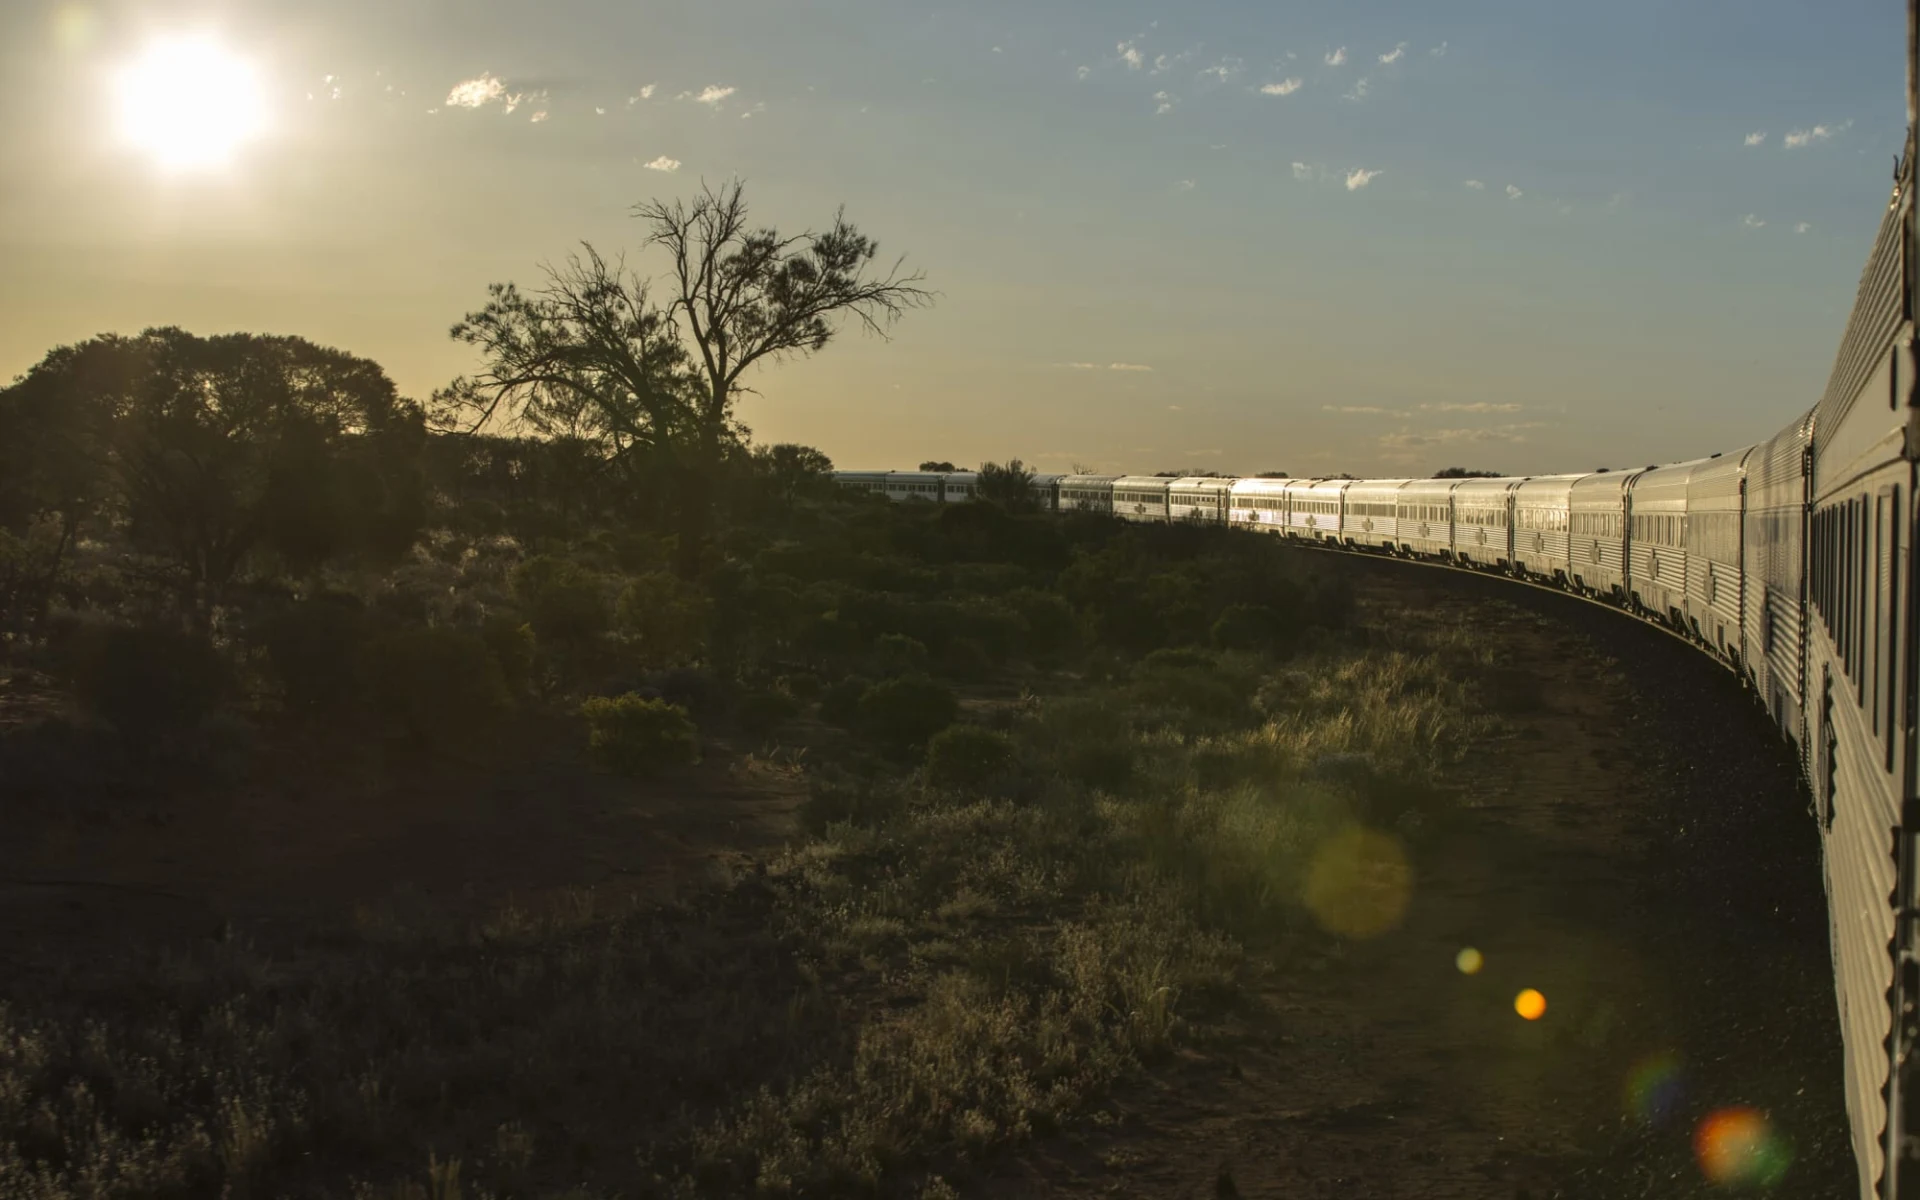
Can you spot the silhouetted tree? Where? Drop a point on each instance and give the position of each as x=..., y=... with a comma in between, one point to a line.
x=791, y=471
x=742, y=296
x=1273, y=475
x=1464, y=473
x=938, y=466
x=1009, y=486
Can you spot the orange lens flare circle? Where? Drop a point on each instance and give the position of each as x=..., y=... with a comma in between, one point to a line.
x=1738, y=1145
x=1530, y=1004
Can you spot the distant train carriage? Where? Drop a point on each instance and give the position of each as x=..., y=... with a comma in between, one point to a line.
x=1087, y=493
x=1201, y=498
x=1597, y=514
x=1542, y=527
x=1775, y=571
x=1715, y=601
x=1657, y=540
x=1372, y=513
x=1483, y=521
x=1425, y=517
x=873, y=482
x=916, y=486
x=1313, y=508
x=1141, y=497
x=1259, y=504
x=1045, y=490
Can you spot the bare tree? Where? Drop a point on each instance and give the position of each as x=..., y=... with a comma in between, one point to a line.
x=588, y=356
x=743, y=296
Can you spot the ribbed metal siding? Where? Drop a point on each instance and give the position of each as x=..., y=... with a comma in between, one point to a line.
x=1877, y=312
x=1776, y=583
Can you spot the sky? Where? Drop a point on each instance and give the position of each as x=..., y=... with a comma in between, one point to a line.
x=1379, y=237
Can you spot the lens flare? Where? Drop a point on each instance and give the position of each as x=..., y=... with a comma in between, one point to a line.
x=1530, y=1004
x=1469, y=961
x=190, y=103
x=1359, y=883
x=1737, y=1145
x=1653, y=1088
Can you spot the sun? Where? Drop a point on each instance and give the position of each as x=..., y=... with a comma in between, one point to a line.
x=189, y=103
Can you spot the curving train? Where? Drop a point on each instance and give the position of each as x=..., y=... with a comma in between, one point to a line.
x=1791, y=561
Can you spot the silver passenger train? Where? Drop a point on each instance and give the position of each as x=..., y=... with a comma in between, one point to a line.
x=1790, y=561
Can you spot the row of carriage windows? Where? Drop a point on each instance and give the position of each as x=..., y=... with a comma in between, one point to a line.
x=1855, y=590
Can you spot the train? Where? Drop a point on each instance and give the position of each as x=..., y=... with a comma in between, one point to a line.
x=1789, y=560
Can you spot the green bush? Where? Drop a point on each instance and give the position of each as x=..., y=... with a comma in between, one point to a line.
x=760, y=713
x=564, y=602
x=907, y=711
x=313, y=647
x=1052, y=629
x=666, y=617
x=1253, y=627
x=840, y=704
x=147, y=682
x=898, y=654
x=441, y=686
x=1104, y=762
x=632, y=735
x=510, y=640
x=968, y=756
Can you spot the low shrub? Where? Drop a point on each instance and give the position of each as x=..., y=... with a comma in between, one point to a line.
x=968, y=756
x=1255, y=628
x=760, y=713
x=441, y=685
x=632, y=735
x=564, y=602
x=840, y=704
x=312, y=649
x=666, y=617
x=1052, y=630
x=907, y=711
x=898, y=654
x=801, y=685
x=510, y=640
x=147, y=682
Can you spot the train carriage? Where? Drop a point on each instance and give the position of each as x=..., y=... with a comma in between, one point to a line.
x=1483, y=522
x=1424, y=517
x=1542, y=519
x=1045, y=490
x=1087, y=493
x=1775, y=567
x=960, y=487
x=1657, y=541
x=922, y=487
x=1597, y=514
x=1372, y=509
x=1199, y=498
x=1313, y=509
x=1860, y=669
x=1140, y=497
x=871, y=482
x=1258, y=504
x=1715, y=602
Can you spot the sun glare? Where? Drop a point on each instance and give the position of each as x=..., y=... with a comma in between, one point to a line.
x=190, y=103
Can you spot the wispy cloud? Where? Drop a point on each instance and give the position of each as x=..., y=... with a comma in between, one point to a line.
x=1165, y=103
x=645, y=93
x=1801, y=226
x=1286, y=87
x=1183, y=185
x=1818, y=133
x=1514, y=193
x=1439, y=51
x=1360, y=177
x=1337, y=58
x=1476, y=185
x=1091, y=366
x=1359, y=91
x=1757, y=137
x=1223, y=70
x=598, y=111
x=711, y=94
x=1358, y=410
x=663, y=163
x=538, y=117
x=1216, y=453
x=1477, y=406
x=1130, y=54
x=1394, y=55
x=1752, y=222
x=472, y=93
x=1407, y=439
x=1082, y=72
x=1303, y=171
x=1121, y=366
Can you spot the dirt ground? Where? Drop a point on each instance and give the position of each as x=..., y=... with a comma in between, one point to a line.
x=1635, y=848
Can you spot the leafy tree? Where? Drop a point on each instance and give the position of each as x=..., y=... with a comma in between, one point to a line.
x=743, y=296
x=938, y=466
x=1273, y=475
x=1010, y=486
x=211, y=449
x=788, y=471
x=1464, y=473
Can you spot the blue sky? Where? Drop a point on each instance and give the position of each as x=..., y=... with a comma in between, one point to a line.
x=1164, y=236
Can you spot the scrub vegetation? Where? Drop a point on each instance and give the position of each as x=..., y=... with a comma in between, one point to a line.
x=1061, y=778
